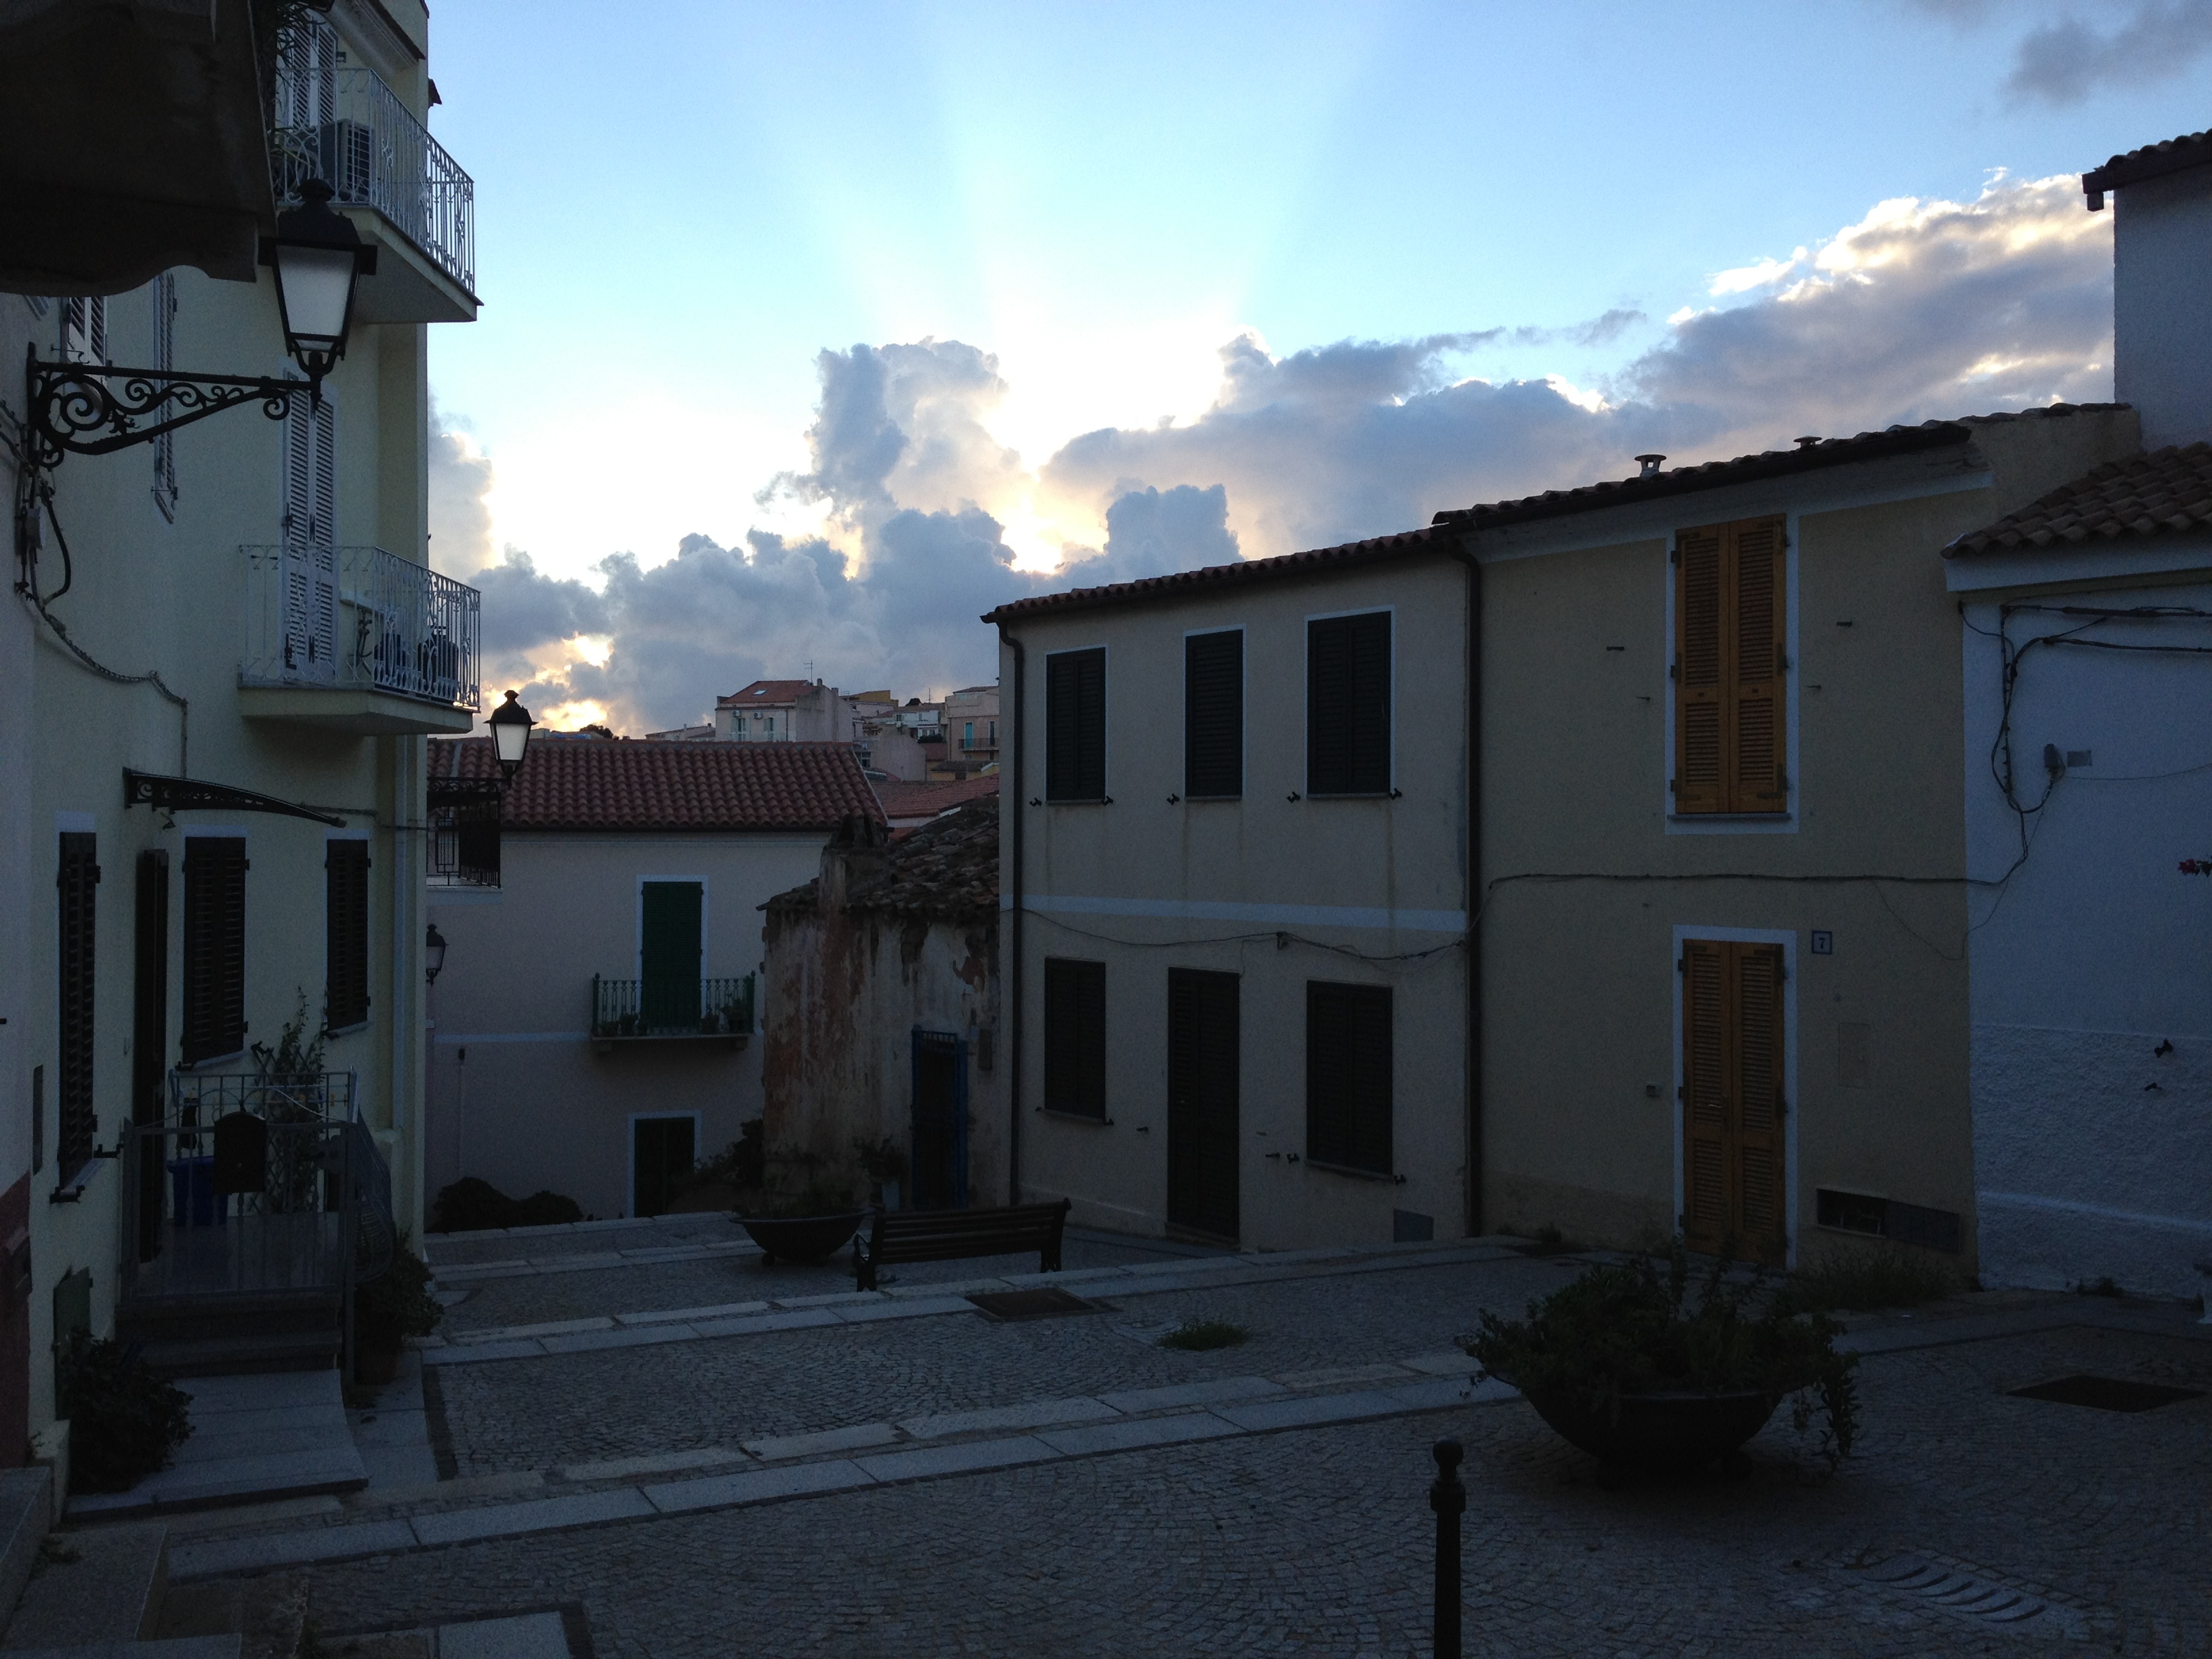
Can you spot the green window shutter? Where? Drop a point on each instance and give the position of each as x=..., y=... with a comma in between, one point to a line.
x=1075, y=1036
x=1348, y=705
x=1202, y=1100
x=215, y=947
x=1075, y=724
x=345, y=887
x=669, y=953
x=1214, y=716
x=1350, y=1062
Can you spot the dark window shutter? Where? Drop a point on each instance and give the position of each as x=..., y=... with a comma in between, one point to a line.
x=345, y=889
x=1348, y=705
x=215, y=947
x=1075, y=1036
x=1706, y=1045
x=1075, y=726
x=1349, y=1067
x=1213, y=715
x=1203, y=1042
x=78, y=881
x=150, y=1035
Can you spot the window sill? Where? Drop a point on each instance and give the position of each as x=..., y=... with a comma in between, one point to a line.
x=1355, y=794
x=348, y=1030
x=1730, y=818
x=210, y=1062
x=1357, y=1174
x=1075, y=1117
x=1078, y=801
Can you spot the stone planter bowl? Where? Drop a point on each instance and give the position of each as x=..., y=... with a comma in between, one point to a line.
x=800, y=1238
x=1658, y=1433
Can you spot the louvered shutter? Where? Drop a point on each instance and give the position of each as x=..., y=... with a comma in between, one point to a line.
x=1075, y=726
x=1348, y=705
x=164, y=291
x=1202, y=1101
x=1760, y=635
x=1700, y=774
x=1350, y=1062
x=1705, y=1099
x=78, y=882
x=1075, y=1036
x=323, y=566
x=214, y=948
x=1759, y=1105
x=1214, y=716
x=310, y=532
x=345, y=885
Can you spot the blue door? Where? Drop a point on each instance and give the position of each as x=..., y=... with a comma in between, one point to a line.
x=939, y=1140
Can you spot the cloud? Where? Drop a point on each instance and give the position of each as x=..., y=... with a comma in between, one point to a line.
x=1921, y=309
x=460, y=483
x=2066, y=61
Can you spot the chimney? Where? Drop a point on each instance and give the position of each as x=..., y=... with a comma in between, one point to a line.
x=2161, y=248
x=1650, y=464
x=855, y=859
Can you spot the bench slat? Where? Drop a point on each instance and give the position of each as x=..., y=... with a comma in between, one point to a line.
x=949, y=1235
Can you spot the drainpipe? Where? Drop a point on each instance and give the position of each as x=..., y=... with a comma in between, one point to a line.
x=1472, y=886
x=1018, y=817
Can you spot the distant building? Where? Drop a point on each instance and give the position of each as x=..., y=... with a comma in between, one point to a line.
x=908, y=805
x=783, y=711
x=971, y=728
x=683, y=734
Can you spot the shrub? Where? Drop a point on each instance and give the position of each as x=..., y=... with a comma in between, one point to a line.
x=471, y=1205
x=1199, y=1335
x=1619, y=1331
x=737, y=1164
x=388, y=1310
x=124, y=1420
x=1859, y=1280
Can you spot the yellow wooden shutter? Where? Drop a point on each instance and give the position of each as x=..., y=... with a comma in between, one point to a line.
x=1706, y=1046
x=1759, y=1172
x=1760, y=633
x=1700, y=775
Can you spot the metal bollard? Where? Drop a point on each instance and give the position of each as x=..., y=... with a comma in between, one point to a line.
x=1447, y=1497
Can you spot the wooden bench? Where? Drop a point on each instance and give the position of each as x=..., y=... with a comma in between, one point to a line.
x=891, y=1236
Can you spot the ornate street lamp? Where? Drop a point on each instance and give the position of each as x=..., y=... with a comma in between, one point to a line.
x=434, y=954
x=510, y=725
x=93, y=409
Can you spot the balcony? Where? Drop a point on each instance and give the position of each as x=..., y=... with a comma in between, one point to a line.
x=345, y=125
x=357, y=640
x=657, y=1009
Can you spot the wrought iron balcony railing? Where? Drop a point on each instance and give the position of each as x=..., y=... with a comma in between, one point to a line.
x=635, y=1009
x=346, y=127
x=197, y=1099
x=360, y=619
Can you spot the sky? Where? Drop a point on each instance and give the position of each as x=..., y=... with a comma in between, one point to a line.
x=809, y=333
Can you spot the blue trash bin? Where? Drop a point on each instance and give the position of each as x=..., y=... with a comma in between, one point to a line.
x=193, y=1196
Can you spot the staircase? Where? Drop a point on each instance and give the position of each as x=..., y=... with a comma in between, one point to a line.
x=86, y=1594
x=230, y=1336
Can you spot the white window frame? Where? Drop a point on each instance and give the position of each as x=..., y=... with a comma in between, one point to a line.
x=1791, y=1107
x=1786, y=822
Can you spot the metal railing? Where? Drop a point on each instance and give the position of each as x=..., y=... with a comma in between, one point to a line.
x=359, y=617
x=639, y=1008
x=197, y=1098
x=346, y=127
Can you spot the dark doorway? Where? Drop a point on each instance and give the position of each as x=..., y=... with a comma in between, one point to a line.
x=1202, y=1089
x=149, y=1033
x=663, y=1151
x=940, y=1120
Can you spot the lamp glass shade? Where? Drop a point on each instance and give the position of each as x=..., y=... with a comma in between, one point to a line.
x=433, y=951
x=510, y=725
x=315, y=287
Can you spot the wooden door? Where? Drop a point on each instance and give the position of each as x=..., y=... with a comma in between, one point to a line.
x=669, y=954
x=1734, y=1177
x=1202, y=1091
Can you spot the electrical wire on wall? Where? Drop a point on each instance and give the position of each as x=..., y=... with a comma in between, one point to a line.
x=1282, y=939
x=34, y=494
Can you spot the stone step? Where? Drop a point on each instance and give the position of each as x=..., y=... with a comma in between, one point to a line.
x=186, y=1647
x=27, y=1510
x=92, y=1588
x=243, y=1353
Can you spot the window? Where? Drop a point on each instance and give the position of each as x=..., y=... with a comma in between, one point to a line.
x=670, y=947
x=1731, y=634
x=345, y=901
x=1348, y=705
x=84, y=331
x=1214, y=716
x=215, y=947
x=968, y=734
x=310, y=533
x=164, y=291
x=994, y=734
x=1075, y=724
x=1348, y=1076
x=1075, y=1036
x=79, y=882
x=463, y=842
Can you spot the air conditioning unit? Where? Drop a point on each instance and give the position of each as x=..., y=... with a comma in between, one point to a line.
x=349, y=159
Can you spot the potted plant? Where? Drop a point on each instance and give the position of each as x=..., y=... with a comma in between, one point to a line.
x=389, y=1310
x=801, y=1225
x=1628, y=1364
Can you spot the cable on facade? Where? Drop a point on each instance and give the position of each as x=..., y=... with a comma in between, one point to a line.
x=1282, y=939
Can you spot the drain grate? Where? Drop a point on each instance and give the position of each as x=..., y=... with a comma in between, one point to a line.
x=1047, y=1303
x=1974, y=1592
x=2108, y=1393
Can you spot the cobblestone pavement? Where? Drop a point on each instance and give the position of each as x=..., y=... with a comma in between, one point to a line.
x=1318, y=1541
x=535, y=1413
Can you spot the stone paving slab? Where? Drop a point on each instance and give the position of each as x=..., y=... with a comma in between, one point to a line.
x=1034, y=1414
x=860, y=1436
x=756, y=1486
x=1130, y=1436
x=963, y=1457
x=541, y=1515
x=1220, y=1391
x=527, y=1636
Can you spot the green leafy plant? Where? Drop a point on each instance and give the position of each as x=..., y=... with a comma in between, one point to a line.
x=1631, y=1330
x=471, y=1205
x=298, y=1055
x=880, y=1159
x=388, y=1310
x=1201, y=1335
x=125, y=1421
x=1860, y=1280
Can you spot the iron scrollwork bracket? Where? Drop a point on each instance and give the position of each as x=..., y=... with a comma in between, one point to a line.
x=91, y=409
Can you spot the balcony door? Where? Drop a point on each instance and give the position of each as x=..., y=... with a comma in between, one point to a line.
x=1734, y=1177
x=669, y=962
x=1202, y=1091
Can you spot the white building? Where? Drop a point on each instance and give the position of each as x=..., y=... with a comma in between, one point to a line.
x=2089, y=757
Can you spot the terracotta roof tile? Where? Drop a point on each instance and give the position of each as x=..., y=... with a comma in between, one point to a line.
x=2192, y=149
x=629, y=784
x=2167, y=492
x=1441, y=532
x=766, y=693
x=946, y=870
x=902, y=800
